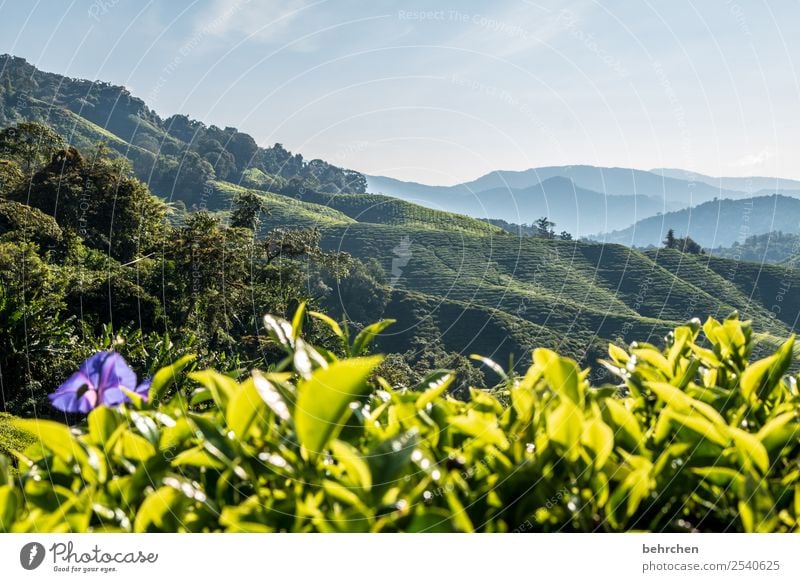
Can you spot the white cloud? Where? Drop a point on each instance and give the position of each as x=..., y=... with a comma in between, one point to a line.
x=262, y=20
x=753, y=160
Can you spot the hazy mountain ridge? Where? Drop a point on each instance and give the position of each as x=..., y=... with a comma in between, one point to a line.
x=718, y=223
x=747, y=184
x=600, y=199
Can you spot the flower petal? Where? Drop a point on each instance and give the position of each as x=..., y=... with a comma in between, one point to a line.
x=93, y=366
x=143, y=389
x=113, y=396
x=77, y=394
x=115, y=373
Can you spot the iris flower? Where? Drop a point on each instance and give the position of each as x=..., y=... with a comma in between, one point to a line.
x=99, y=381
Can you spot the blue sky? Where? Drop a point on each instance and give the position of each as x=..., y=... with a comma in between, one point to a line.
x=443, y=92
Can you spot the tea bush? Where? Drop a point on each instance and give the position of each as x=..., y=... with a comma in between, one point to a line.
x=695, y=437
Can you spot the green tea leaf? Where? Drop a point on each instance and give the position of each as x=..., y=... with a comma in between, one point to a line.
x=54, y=436
x=751, y=448
x=271, y=396
x=9, y=503
x=779, y=431
x=355, y=465
x=330, y=322
x=561, y=374
x=625, y=421
x=564, y=426
x=221, y=387
x=102, y=422
x=323, y=400
x=159, y=510
x=434, y=385
x=599, y=438
x=368, y=335
x=166, y=376
x=482, y=426
x=244, y=407
x=297, y=320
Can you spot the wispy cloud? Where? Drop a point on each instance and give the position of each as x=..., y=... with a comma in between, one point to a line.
x=753, y=160
x=260, y=20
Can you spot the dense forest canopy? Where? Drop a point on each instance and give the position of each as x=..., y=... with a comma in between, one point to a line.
x=175, y=156
x=84, y=245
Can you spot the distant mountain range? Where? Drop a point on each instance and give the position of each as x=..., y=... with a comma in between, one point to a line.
x=749, y=184
x=583, y=200
x=577, y=210
x=714, y=224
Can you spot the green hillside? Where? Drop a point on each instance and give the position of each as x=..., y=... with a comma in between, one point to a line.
x=282, y=210
x=453, y=283
x=770, y=247
x=350, y=208
x=483, y=290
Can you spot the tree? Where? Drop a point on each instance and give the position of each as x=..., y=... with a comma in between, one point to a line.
x=670, y=242
x=688, y=245
x=10, y=176
x=565, y=235
x=544, y=228
x=247, y=210
x=99, y=201
x=30, y=144
x=361, y=296
x=355, y=182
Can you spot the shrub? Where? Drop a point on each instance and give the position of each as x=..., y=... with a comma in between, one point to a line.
x=695, y=437
x=12, y=438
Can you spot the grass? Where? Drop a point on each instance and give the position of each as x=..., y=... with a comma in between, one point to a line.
x=11, y=438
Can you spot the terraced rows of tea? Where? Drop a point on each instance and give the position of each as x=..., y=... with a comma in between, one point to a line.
x=480, y=289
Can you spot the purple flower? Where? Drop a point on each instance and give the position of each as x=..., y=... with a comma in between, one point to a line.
x=99, y=381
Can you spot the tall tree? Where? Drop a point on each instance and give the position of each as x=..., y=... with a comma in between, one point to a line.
x=670, y=242
x=689, y=245
x=544, y=227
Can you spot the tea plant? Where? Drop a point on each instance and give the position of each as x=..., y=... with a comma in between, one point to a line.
x=695, y=437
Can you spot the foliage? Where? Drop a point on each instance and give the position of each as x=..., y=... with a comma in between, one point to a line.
x=685, y=245
x=106, y=252
x=483, y=290
x=248, y=210
x=771, y=247
x=11, y=438
x=29, y=144
x=544, y=227
x=696, y=437
x=176, y=156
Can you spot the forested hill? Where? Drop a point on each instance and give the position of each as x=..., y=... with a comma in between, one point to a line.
x=176, y=155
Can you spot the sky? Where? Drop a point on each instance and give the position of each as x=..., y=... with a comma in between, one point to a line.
x=443, y=92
